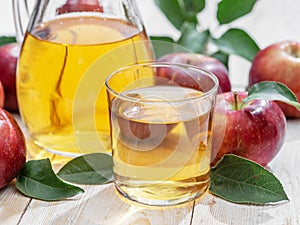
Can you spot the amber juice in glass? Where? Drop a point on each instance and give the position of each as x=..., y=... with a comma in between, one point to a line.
x=161, y=136
x=54, y=59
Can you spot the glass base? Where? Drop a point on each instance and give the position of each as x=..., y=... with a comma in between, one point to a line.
x=145, y=197
x=36, y=151
x=57, y=152
x=67, y=145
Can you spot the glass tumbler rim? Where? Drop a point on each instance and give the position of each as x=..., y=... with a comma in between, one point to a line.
x=155, y=64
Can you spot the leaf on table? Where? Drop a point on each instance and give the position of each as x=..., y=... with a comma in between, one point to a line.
x=37, y=180
x=96, y=168
x=238, y=42
x=192, y=39
x=173, y=11
x=239, y=180
x=230, y=10
x=272, y=91
x=7, y=39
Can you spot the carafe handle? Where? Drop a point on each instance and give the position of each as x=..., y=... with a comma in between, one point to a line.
x=21, y=16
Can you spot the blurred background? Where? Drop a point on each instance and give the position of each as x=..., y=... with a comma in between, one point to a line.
x=270, y=21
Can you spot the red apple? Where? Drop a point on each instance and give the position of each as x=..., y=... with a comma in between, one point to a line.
x=279, y=62
x=80, y=6
x=12, y=148
x=254, y=130
x=8, y=62
x=205, y=62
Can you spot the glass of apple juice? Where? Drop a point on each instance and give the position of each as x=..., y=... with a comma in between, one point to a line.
x=161, y=131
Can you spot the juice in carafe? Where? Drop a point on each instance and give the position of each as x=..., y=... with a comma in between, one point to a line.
x=54, y=59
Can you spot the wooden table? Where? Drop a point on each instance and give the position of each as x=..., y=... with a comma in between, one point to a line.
x=102, y=205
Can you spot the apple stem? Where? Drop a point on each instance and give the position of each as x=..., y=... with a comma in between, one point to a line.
x=235, y=96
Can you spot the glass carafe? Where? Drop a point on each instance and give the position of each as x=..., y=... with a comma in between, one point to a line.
x=68, y=48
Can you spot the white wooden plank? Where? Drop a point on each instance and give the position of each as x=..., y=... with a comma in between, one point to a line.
x=101, y=205
x=12, y=204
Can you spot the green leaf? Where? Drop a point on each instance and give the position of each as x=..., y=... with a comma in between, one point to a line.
x=192, y=39
x=94, y=168
x=162, y=45
x=37, y=180
x=165, y=45
x=239, y=180
x=230, y=10
x=272, y=91
x=237, y=42
x=194, y=6
x=7, y=39
x=162, y=38
x=173, y=11
x=222, y=57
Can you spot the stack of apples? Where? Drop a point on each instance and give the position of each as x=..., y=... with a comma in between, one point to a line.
x=255, y=130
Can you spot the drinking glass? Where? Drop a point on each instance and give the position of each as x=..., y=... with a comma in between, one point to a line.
x=61, y=41
x=161, y=131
